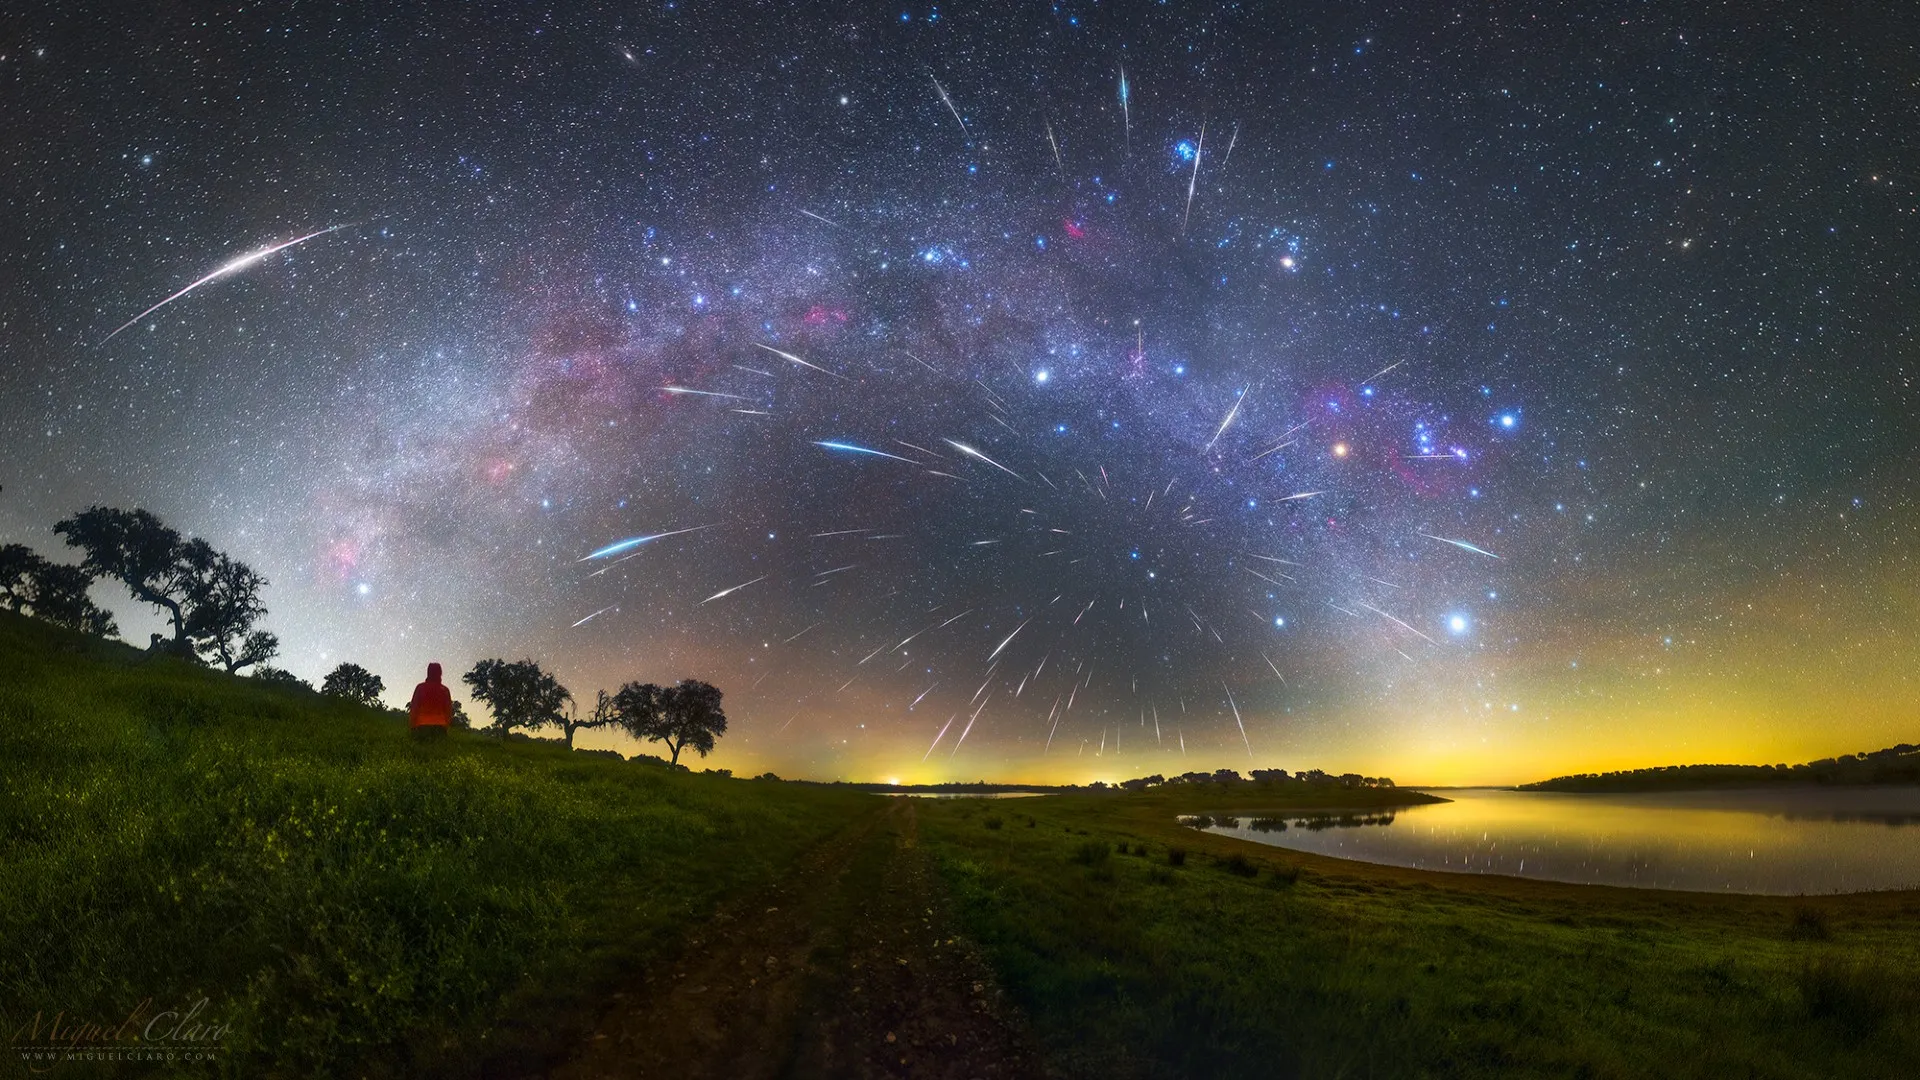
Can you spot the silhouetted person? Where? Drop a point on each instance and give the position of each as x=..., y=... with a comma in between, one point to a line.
x=431, y=709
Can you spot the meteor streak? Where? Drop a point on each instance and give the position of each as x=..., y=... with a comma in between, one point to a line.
x=1462, y=545
x=972, y=453
x=1276, y=671
x=956, y=118
x=1009, y=639
x=922, y=696
x=734, y=589
x=850, y=448
x=802, y=363
x=1224, y=424
x=677, y=390
x=1403, y=625
x=937, y=738
x=1198, y=149
x=595, y=615
x=232, y=267
x=630, y=544
x=817, y=217
x=1236, y=719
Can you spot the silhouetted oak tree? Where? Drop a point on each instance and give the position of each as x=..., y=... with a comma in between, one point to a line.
x=138, y=550
x=224, y=606
x=33, y=586
x=521, y=695
x=601, y=716
x=212, y=599
x=685, y=715
x=355, y=683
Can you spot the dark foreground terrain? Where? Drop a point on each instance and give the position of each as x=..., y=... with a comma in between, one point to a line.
x=351, y=904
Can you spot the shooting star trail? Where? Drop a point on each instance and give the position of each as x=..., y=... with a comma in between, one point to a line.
x=1009, y=639
x=1231, y=139
x=922, y=696
x=1276, y=671
x=963, y=731
x=1198, y=149
x=972, y=453
x=802, y=363
x=937, y=738
x=634, y=542
x=1236, y=719
x=1398, y=622
x=827, y=221
x=734, y=589
x=951, y=109
x=1126, y=110
x=1381, y=372
x=1056, y=151
x=678, y=390
x=232, y=267
x=1228, y=421
x=850, y=448
x=1462, y=545
x=595, y=615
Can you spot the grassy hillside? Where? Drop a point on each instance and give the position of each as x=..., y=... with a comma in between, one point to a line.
x=349, y=901
x=1142, y=949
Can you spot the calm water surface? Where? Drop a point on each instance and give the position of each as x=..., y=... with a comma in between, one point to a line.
x=1820, y=840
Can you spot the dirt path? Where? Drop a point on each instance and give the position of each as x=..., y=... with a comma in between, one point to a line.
x=847, y=969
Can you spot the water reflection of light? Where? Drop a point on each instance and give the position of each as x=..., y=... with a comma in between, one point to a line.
x=1781, y=841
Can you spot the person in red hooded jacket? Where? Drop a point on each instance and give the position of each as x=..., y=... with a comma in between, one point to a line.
x=431, y=709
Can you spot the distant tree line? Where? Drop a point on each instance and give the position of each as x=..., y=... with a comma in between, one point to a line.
x=210, y=599
x=1256, y=777
x=1893, y=765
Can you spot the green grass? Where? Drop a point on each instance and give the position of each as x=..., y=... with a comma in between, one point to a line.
x=351, y=902
x=1240, y=960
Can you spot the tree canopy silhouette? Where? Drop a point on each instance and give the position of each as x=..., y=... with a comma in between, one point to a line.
x=685, y=715
x=602, y=715
x=225, y=606
x=33, y=586
x=355, y=683
x=211, y=599
x=141, y=552
x=521, y=694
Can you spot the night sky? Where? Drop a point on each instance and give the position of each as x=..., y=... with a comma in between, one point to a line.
x=1449, y=392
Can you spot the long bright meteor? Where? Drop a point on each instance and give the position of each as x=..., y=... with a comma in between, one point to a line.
x=732, y=590
x=972, y=453
x=1462, y=545
x=233, y=267
x=852, y=449
x=634, y=542
x=1228, y=421
x=790, y=357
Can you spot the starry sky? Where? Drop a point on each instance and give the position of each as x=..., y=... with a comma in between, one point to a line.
x=1017, y=391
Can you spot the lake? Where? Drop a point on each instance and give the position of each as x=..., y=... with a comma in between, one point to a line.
x=1784, y=841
